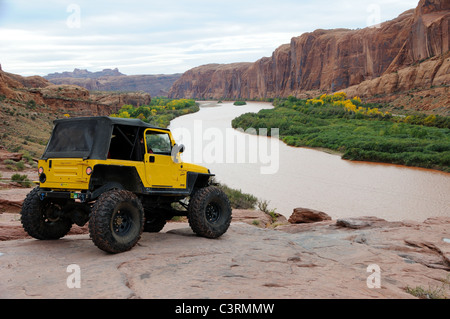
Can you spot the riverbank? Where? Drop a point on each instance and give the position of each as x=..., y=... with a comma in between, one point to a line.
x=308, y=177
x=363, y=132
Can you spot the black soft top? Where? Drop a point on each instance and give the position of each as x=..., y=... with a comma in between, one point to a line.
x=88, y=137
x=108, y=120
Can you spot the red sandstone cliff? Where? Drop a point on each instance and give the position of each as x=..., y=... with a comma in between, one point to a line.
x=28, y=106
x=329, y=60
x=61, y=99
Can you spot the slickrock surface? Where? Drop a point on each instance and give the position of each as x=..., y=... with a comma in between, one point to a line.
x=318, y=260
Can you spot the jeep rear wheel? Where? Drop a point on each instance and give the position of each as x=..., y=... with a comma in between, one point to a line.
x=117, y=221
x=43, y=219
x=209, y=212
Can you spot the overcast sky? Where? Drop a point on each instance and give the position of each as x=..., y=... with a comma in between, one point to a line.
x=170, y=36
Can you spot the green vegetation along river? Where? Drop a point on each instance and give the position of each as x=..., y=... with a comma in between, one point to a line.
x=358, y=131
x=304, y=177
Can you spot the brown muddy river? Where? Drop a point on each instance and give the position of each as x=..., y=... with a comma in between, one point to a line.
x=291, y=177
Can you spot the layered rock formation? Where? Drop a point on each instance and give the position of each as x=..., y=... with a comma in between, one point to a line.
x=425, y=85
x=113, y=80
x=30, y=104
x=331, y=60
x=15, y=86
x=63, y=98
x=211, y=81
x=428, y=36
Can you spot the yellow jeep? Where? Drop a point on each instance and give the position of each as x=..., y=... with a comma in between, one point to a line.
x=123, y=176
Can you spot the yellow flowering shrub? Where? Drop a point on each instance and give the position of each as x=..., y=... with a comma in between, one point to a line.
x=357, y=99
x=315, y=102
x=340, y=99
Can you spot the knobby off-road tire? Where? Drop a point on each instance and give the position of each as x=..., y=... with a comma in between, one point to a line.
x=117, y=221
x=42, y=219
x=209, y=212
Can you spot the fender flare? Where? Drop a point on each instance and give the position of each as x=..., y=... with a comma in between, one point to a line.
x=108, y=177
x=106, y=188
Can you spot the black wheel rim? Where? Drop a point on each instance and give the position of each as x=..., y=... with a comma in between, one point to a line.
x=122, y=222
x=212, y=213
x=51, y=213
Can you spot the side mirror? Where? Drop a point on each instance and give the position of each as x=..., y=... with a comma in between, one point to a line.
x=175, y=150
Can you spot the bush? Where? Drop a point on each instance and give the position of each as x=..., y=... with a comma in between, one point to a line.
x=240, y=103
x=160, y=111
x=263, y=205
x=22, y=180
x=31, y=104
x=27, y=157
x=20, y=165
x=238, y=199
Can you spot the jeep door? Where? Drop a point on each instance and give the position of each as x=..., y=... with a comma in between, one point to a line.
x=162, y=171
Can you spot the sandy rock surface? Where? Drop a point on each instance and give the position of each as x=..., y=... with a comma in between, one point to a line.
x=257, y=258
x=320, y=260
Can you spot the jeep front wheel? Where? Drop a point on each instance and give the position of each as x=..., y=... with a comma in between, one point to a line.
x=117, y=221
x=209, y=212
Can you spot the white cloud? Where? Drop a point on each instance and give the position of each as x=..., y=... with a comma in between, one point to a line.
x=164, y=37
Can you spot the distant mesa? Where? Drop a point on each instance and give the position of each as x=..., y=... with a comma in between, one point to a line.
x=84, y=74
x=113, y=80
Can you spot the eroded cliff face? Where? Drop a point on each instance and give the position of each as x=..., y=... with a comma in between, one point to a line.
x=419, y=76
x=428, y=34
x=28, y=106
x=423, y=86
x=328, y=60
x=211, y=81
x=64, y=98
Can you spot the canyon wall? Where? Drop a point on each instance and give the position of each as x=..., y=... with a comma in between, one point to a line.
x=328, y=60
